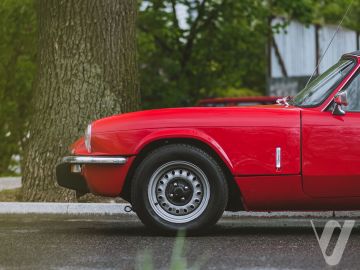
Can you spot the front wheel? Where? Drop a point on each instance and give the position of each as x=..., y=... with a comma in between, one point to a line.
x=179, y=187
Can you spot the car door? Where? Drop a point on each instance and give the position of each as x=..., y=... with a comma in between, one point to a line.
x=331, y=148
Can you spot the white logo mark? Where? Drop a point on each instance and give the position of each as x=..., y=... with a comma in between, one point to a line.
x=340, y=245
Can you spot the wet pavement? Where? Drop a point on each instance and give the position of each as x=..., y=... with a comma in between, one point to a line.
x=117, y=242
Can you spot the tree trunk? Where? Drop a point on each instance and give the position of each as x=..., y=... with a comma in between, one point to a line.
x=86, y=70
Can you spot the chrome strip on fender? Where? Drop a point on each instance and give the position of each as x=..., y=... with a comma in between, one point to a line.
x=94, y=160
x=278, y=158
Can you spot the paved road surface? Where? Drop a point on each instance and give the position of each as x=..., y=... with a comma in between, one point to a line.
x=113, y=242
x=10, y=182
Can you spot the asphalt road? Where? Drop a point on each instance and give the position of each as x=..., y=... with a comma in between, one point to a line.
x=114, y=242
x=10, y=183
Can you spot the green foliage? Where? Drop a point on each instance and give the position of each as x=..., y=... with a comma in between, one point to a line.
x=222, y=45
x=331, y=11
x=17, y=68
x=302, y=10
x=236, y=92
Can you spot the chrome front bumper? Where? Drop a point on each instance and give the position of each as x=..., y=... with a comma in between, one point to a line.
x=94, y=160
x=68, y=172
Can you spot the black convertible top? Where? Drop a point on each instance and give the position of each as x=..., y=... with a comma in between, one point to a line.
x=356, y=53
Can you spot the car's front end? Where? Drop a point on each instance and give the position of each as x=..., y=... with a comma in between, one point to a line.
x=87, y=170
x=103, y=161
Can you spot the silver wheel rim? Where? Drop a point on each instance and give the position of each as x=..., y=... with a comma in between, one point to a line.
x=179, y=191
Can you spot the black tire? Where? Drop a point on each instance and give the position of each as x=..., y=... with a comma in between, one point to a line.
x=212, y=186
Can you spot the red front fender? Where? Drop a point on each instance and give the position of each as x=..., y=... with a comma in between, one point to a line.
x=184, y=134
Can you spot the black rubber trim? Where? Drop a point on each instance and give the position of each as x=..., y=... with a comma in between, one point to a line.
x=67, y=179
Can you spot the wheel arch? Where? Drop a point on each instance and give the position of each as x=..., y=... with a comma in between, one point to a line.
x=190, y=135
x=212, y=148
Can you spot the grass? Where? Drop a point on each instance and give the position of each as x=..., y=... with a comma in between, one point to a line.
x=11, y=195
x=14, y=195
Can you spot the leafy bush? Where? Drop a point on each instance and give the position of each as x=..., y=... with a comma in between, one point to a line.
x=17, y=69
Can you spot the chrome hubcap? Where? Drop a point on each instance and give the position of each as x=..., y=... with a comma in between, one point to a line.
x=179, y=191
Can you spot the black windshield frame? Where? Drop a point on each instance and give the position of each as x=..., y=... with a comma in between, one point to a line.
x=351, y=66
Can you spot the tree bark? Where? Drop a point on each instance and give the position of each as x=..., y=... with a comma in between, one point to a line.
x=86, y=70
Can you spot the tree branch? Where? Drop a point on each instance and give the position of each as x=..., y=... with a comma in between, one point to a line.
x=175, y=18
x=158, y=41
x=176, y=23
x=187, y=51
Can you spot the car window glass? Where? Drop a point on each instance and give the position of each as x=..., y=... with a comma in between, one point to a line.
x=320, y=88
x=353, y=94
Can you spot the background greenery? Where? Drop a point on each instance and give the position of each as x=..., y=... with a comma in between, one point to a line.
x=219, y=51
x=17, y=69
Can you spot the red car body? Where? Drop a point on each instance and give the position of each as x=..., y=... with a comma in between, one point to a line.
x=320, y=152
x=239, y=101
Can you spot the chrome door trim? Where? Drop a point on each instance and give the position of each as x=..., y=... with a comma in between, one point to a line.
x=278, y=158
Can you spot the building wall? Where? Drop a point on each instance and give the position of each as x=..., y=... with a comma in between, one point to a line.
x=299, y=48
x=344, y=42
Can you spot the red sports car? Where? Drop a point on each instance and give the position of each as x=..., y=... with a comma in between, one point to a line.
x=181, y=168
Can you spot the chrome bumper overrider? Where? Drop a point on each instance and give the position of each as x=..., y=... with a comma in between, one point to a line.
x=94, y=160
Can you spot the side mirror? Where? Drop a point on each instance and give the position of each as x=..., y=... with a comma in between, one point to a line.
x=340, y=99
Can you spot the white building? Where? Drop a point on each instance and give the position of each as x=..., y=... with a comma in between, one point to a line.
x=296, y=50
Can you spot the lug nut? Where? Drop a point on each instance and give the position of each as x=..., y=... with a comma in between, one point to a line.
x=186, y=187
x=175, y=184
x=171, y=195
x=183, y=198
